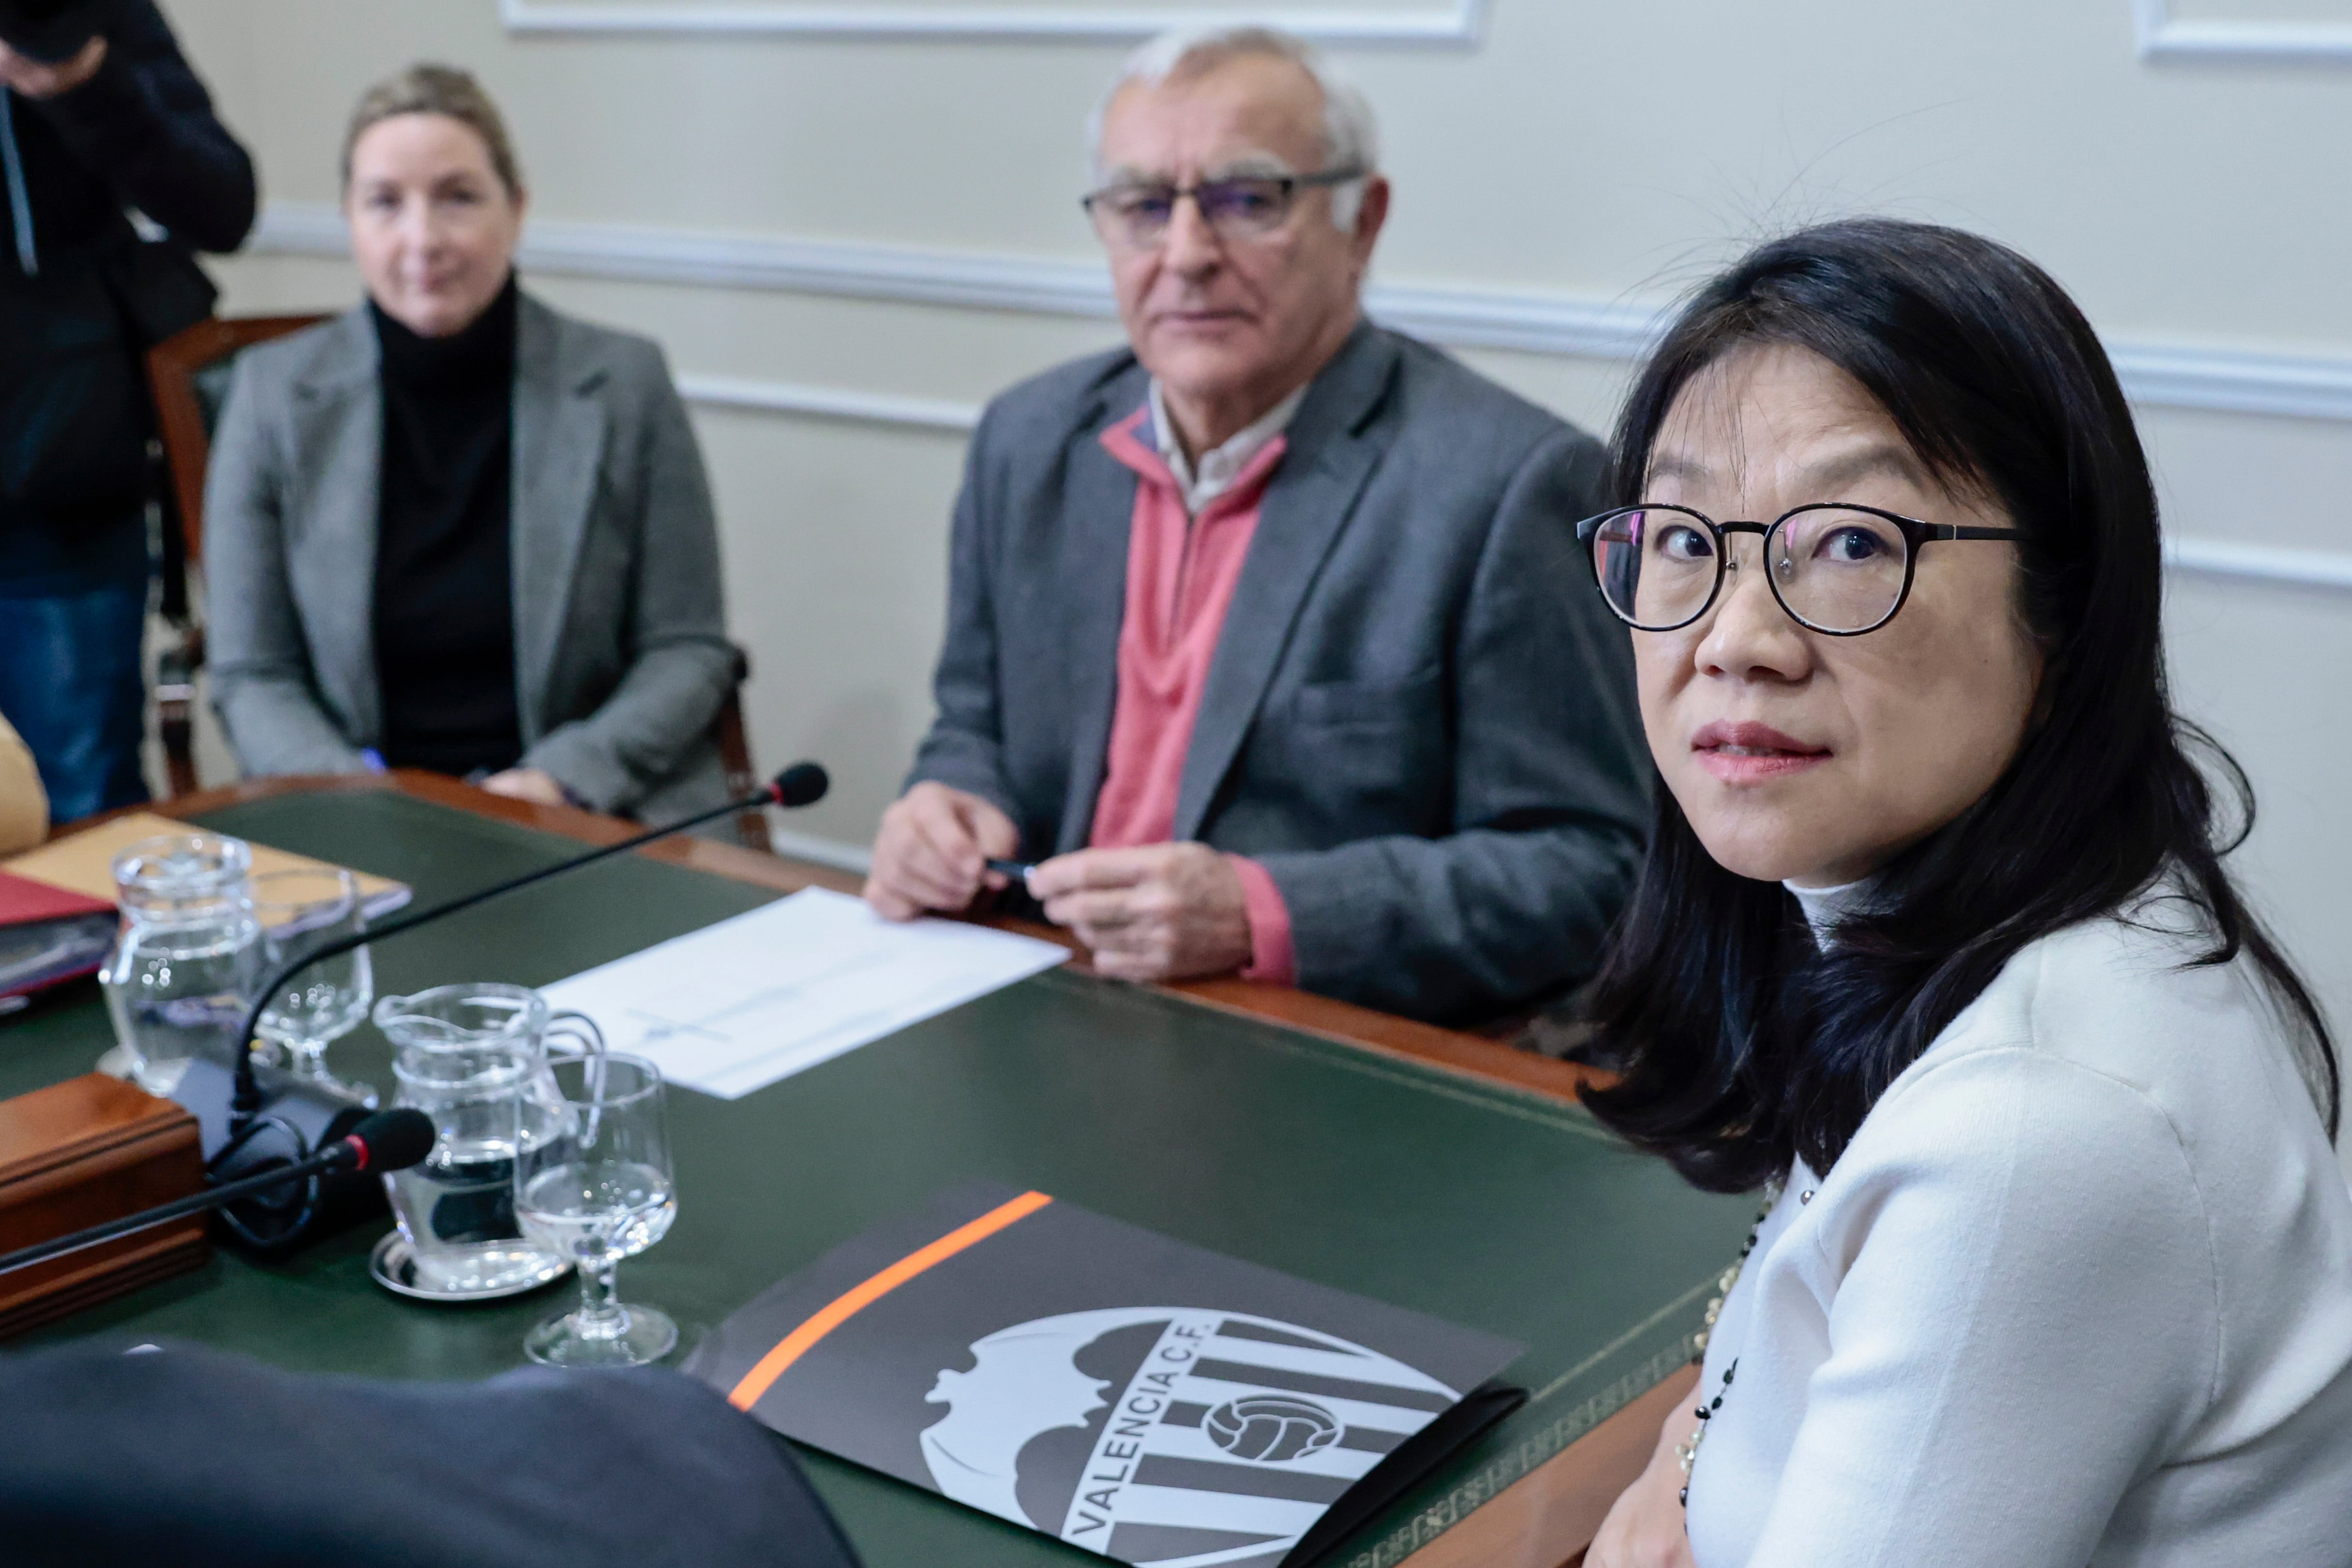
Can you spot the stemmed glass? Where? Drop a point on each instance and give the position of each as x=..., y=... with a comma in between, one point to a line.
x=598, y=1191
x=299, y=912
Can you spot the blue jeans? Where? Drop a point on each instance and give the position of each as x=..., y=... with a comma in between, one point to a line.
x=70, y=682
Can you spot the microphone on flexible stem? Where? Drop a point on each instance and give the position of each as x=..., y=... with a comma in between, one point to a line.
x=387, y=1141
x=233, y=1105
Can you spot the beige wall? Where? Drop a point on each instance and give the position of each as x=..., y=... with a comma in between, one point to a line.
x=1574, y=164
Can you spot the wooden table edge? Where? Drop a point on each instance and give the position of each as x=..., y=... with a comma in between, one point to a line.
x=1545, y=1518
x=1548, y=1517
x=1448, y=1048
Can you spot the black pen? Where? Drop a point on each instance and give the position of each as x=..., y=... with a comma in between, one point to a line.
x=1017, y=870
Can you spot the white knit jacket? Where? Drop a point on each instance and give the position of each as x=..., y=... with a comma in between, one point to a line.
x=2079, y=1292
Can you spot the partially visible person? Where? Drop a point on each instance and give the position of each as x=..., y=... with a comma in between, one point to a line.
x=187, y=1456
x=452, y=529
x=99, y=114
x=24, y=804
x=1936, y=946
x=1265, y=633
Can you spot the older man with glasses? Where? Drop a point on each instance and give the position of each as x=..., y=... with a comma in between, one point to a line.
x=1268, y=641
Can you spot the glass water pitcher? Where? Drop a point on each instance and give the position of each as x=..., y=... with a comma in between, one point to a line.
x=188, y=961
x=474, y=1058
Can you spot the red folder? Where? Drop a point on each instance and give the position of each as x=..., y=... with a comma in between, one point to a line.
x=22, y=900
x=48, y=936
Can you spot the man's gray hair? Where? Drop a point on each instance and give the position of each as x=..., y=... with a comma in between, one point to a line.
x=1351, y=137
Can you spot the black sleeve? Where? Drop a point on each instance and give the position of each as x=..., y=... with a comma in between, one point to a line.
x=201, y=1460
x=146, y=124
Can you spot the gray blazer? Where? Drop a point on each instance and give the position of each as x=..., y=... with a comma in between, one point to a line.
x=1420, y=717
x=622, y=660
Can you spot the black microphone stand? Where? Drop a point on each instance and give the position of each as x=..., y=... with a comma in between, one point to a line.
x=796, y=786
x=314, y=1115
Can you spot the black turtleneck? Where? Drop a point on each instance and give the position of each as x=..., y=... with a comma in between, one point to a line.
x=445, y=648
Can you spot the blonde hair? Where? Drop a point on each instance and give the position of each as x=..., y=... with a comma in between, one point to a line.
x=428, y=89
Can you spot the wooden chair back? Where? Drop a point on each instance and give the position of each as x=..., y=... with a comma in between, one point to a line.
x=188, y=374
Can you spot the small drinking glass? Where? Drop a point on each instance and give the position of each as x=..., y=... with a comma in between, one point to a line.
x=300, y=912
x=184, y=970
x=598, y=1191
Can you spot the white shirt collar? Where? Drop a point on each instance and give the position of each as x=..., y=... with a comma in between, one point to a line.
x=1220, y=466
x=1825, y=906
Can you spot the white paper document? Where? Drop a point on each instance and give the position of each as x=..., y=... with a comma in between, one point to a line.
x=736, y=1006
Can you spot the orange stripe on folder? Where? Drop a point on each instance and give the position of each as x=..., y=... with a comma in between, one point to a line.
x=850, y=1303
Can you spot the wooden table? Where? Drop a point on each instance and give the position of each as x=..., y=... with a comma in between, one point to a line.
x=1542, y=1521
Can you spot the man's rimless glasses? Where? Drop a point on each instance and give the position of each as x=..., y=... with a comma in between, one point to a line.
x=1835, y=567
x=1135, y=216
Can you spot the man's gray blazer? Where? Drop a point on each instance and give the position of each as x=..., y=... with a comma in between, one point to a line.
x=622, y=660
x=1420, y=717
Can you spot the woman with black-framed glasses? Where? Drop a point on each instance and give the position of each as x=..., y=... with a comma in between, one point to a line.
x=1839, y=568
x=1934, y=949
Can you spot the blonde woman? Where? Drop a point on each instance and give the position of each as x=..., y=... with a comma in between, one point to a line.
x=454, y=529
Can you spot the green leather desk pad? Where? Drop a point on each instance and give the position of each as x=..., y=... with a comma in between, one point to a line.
x=1499, y=1208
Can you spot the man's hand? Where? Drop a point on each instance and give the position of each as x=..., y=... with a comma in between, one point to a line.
x=933, y=851
x=533, y=784
x=35, y=79
x=1159, y=912
x=1645, y=1528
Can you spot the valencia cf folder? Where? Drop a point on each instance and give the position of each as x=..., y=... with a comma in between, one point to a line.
x=1149, y=1401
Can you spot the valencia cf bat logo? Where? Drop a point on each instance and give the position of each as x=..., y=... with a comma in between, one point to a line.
x=1175, y=1437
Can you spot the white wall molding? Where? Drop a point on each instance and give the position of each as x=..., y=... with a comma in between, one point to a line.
x=829, y=402
x=1529, y=320
x=2156, y=374
x=2260, y=563
x=1457, y=22
x=852, y=269
x=2233, y=381
x=1536, y=322
x=2163, y=37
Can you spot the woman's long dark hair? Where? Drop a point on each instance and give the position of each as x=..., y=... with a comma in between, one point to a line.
x=1743, y=1044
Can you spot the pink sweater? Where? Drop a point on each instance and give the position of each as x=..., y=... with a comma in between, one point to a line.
x=1180, y=572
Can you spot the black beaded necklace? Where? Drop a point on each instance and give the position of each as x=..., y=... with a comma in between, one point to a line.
x=1688, y=1452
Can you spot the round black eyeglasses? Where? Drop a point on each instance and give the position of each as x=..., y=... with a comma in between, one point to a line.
x=1837, y=569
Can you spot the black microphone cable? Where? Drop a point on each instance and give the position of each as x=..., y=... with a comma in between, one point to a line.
x=388, y=1141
